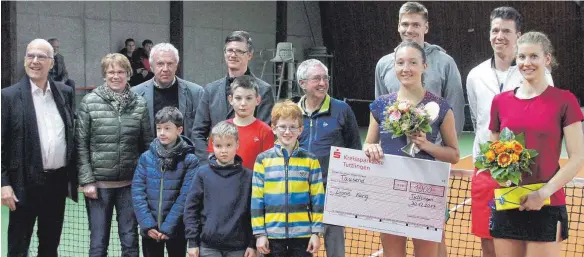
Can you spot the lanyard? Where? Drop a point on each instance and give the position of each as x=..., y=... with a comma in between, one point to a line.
x=498, y=82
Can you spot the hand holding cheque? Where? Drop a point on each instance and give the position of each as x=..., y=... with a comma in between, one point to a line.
x=397, y=195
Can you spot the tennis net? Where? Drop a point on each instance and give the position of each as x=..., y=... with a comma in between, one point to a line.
x=459, y=241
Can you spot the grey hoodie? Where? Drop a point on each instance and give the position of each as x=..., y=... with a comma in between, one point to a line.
x=441, y=78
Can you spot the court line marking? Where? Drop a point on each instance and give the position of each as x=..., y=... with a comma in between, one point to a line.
x=376, y=254
x=469, y=155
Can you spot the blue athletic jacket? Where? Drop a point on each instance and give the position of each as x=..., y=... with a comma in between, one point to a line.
x=334, y=124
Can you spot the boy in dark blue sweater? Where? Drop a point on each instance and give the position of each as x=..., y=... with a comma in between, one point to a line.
x=217, y=214
x=161, y=182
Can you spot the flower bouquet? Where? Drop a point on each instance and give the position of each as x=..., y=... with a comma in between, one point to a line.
x=403, y=118
x=507, y=159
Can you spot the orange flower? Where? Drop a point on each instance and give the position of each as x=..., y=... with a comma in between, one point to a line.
x=498, y=147
x=517, y=147
x=503, y=159
x=490, y=155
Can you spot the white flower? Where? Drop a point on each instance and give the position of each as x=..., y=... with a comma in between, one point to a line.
x=402, y=106
x=432, y=108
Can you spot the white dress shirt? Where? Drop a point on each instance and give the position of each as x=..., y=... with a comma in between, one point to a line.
x=482, y=85
x=50, y=126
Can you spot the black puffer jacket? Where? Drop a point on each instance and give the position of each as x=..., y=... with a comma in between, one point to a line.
x=109, y=142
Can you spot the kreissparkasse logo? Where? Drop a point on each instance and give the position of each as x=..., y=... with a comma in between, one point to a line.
x=337, y=154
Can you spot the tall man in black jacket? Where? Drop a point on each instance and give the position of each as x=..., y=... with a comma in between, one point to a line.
x=37, y=153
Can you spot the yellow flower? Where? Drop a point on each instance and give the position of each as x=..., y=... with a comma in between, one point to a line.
x=504, y=159
x=514, y=157
x=509, y=145
x=527, y=155
x=490, y=155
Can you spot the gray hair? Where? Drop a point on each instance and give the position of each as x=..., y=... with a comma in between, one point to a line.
x=225, y=128
x=413, y=7
x=306, y=66
x=163, y=47
x=44, y=42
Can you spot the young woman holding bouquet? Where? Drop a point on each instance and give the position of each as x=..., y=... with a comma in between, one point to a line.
x=410, y=63
x=544, y=114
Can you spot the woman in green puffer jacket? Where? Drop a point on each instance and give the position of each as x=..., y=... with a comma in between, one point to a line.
x=112, y=131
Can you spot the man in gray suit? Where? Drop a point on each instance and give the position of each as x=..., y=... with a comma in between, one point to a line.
x=166, y=89
x=214, y=106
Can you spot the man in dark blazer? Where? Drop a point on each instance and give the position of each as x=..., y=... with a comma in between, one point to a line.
x=37, y=153
x=214, y=106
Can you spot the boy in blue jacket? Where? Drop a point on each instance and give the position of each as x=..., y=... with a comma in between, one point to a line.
x=217, y=214
x=161, y=182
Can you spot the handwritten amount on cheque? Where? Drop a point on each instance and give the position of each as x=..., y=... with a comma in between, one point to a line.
x=416, y=200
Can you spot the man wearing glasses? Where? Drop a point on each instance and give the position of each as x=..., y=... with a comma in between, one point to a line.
x=38, y=171
x=327, y=122
x=166, y=89
x=214, y=106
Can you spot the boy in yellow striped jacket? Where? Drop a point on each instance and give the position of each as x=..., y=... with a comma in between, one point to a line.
x=287, y=191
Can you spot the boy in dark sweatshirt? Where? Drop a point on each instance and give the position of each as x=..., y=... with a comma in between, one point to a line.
x=217, y=214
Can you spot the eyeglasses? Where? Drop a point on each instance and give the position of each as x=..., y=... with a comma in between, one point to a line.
x=318, y=78
x=284, y=128
x=235, y=52
x=40, y=57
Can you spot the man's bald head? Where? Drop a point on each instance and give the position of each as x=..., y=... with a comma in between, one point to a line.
x=43, y=44
x=38, y=60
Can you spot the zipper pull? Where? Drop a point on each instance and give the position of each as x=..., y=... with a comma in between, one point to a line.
x=311, y=123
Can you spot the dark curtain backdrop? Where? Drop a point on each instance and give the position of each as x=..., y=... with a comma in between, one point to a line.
x=359, y=33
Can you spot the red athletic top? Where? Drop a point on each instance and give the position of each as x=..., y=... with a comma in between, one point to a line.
x=253, y=139
x=542, y=120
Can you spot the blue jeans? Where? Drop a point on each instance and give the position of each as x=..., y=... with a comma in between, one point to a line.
x=100, y=212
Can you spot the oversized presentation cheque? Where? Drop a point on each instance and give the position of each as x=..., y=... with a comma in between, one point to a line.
x=400, y=195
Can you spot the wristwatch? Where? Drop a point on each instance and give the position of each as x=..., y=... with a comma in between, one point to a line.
x=319, y=234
